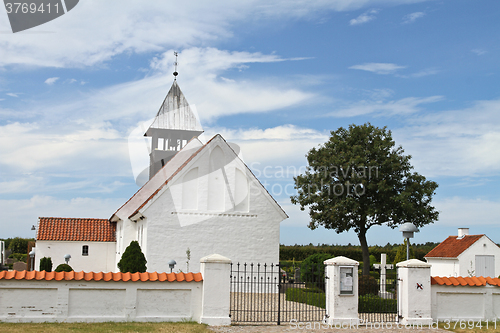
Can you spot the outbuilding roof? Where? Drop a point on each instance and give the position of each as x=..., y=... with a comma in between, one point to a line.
x=76, y=229
x=453, y=246
x=100, y=276
x=465, y=281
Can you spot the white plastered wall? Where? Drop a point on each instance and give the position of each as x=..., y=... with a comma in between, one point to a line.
x=101, y=255
x=443, y=266
x=456, y=303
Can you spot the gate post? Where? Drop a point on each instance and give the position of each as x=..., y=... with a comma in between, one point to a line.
x=341, y=292
x=414, y=292
x=215, y=305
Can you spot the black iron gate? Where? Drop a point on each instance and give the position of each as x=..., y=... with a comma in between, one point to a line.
x=378, y=297
x=264, y=293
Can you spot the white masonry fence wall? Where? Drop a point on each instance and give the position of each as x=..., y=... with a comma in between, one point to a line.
x=206, y=301
x=466, y=303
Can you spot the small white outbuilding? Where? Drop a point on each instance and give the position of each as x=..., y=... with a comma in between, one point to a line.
x=465, y=255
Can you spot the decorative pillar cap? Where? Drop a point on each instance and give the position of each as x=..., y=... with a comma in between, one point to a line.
x=215, y=258
x=341, y=261
x=413, y=263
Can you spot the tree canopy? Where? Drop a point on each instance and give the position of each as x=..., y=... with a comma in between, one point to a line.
x=133, y=260
x=360, y=178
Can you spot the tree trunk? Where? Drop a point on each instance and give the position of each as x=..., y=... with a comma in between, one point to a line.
x=364, y=249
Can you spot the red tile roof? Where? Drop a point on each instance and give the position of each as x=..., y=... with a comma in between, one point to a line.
x=100, y=276
x=453, y=246
x=76, y=229
x=465, y=281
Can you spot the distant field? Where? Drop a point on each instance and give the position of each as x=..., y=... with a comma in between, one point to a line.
x=104, y=327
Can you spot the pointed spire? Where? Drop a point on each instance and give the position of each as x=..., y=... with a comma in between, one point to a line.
x=175, y=113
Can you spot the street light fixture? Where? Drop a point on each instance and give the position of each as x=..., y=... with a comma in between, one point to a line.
x=67, y=257
x=408, y=229
x=171, y=264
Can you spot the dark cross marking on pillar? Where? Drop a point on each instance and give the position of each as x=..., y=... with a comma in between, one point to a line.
x=420, y=286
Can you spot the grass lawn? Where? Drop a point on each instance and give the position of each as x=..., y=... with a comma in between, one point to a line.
x=469, y=327
x=104, y=327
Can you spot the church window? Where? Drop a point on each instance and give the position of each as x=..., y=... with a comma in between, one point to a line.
x=85, y=250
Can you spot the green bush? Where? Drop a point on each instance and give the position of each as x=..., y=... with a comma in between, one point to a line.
x=313, y=297
x=133, y=260
x=367, y=285
x=313, y=269
x=46, y=264
x=375, y=304
x=64, y=268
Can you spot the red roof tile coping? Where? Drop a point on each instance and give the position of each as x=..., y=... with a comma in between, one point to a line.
x=465, y=281
x=453, y=246
x=76, y=229
x=100, y=276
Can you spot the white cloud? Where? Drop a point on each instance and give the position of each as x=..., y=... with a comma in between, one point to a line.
x=378, y=67
x=466, y=212
x=51, y=80
x=422, y=73
x=12, y=95
x=410, y=18
x=402, y=106
x=479, y=52
x=135, y=26
x=364, y=18
x=456, y=143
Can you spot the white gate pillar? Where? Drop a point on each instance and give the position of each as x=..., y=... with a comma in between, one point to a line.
x=216, y=271
x=414, y=292
x=341, y=292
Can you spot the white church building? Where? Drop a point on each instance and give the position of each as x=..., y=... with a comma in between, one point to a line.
x=200, y=199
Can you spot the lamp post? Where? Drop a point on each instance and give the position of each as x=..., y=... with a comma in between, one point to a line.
x=171, y=264
x=67, y=257
x=408, y=229
x=32, y=256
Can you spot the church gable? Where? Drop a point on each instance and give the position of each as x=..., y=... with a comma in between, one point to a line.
x=216, y=181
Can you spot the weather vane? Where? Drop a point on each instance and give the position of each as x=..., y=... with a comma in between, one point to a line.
x=175, y=63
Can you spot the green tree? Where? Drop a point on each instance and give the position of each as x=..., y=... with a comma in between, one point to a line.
x=401, y=254
x=19, y=245
x=358, y=179
x=133, y=260
x=46, y=264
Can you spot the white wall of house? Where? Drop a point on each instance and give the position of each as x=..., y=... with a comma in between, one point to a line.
x=444, y=266
x=100, y=258
x=215, y=205
x=467, y=259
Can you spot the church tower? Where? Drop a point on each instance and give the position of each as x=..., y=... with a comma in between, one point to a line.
x=174, y=125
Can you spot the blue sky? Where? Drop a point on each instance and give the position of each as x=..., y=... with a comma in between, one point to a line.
x=273, y=77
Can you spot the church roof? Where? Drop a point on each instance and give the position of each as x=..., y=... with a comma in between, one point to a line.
x=175, y=113
x=76, y=229
x=453, y=246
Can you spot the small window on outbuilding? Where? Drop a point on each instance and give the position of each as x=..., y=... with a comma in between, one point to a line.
x=85, y=250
